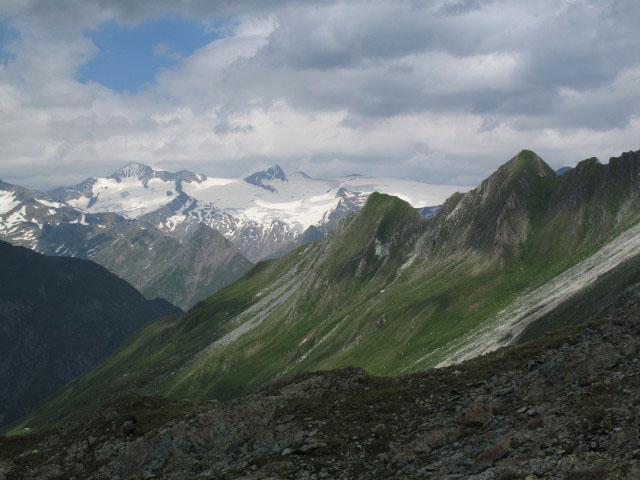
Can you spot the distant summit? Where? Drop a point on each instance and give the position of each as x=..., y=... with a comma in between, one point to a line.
x=273, y=173
x=133, y=170
x=259, y=221
x=144, y=173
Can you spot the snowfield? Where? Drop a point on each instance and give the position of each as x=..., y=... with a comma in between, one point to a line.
x=299, y=201
x=130, y=197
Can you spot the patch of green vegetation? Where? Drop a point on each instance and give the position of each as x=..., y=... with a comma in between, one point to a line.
x=14, y=445
x=353, y=299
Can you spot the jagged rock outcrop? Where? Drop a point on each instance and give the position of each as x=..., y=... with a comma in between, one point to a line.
x=272, y=173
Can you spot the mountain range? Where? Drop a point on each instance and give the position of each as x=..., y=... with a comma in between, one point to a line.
x=182, y=236
x=141, y=254
x=260, y=214
x=393, y=291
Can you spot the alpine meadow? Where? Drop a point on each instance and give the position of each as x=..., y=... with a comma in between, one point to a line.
x=319, y=240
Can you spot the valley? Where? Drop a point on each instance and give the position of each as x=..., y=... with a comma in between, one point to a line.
x=60, y=317
x=388, y=290
x=319, y=240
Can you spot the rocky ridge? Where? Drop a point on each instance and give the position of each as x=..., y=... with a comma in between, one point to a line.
x=562, y=407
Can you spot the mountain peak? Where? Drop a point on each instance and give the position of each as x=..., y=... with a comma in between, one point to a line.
x=271, y=173
x=374, y=242
x=522, y=169
x=277, y=172
x=133, y=170
x=529, y=162
x=500, y=213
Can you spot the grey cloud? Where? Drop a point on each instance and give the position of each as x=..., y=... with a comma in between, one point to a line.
x=224, y=128
x=332, y=55
x=355, y=33
x=354, y=55
x=371, y=60
x=67, y=16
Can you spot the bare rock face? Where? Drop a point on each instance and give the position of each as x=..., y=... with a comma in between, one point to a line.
x=561, y=407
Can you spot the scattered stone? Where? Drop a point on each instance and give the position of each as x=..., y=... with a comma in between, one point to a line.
x=443, y=436
x=314, y=448
x=568, y=410
x=495, y=452
x=477, y=415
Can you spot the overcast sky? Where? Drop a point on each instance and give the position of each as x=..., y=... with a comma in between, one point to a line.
x=441, y=91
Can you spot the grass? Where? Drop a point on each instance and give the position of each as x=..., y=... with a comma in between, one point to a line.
x=344, y=287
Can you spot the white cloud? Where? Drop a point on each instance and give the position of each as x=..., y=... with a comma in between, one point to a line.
x=441, y=91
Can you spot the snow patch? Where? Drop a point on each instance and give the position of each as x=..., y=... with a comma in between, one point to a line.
x=81, y=220
x=50, y=204
x=8, y=201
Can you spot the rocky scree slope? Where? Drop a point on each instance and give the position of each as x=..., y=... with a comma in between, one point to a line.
x=388, y=290
x=58, y=318
x=561, y=407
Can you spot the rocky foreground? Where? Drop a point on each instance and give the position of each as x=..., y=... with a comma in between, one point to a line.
x=566, y=406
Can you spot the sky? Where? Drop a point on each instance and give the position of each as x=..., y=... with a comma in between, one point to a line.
x=439, y=91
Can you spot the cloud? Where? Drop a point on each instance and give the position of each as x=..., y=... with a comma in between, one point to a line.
x=440, y=91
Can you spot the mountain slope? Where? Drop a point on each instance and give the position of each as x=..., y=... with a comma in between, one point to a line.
x=561, y=407
x=58, y=318
x=388, y=290
x=158, y=265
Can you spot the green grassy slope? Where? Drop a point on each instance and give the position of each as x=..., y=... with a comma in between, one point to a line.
x=386, y=291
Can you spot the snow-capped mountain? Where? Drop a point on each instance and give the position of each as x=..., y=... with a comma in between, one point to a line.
x=153, y=262
x=260, y=213
x=24, y=213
